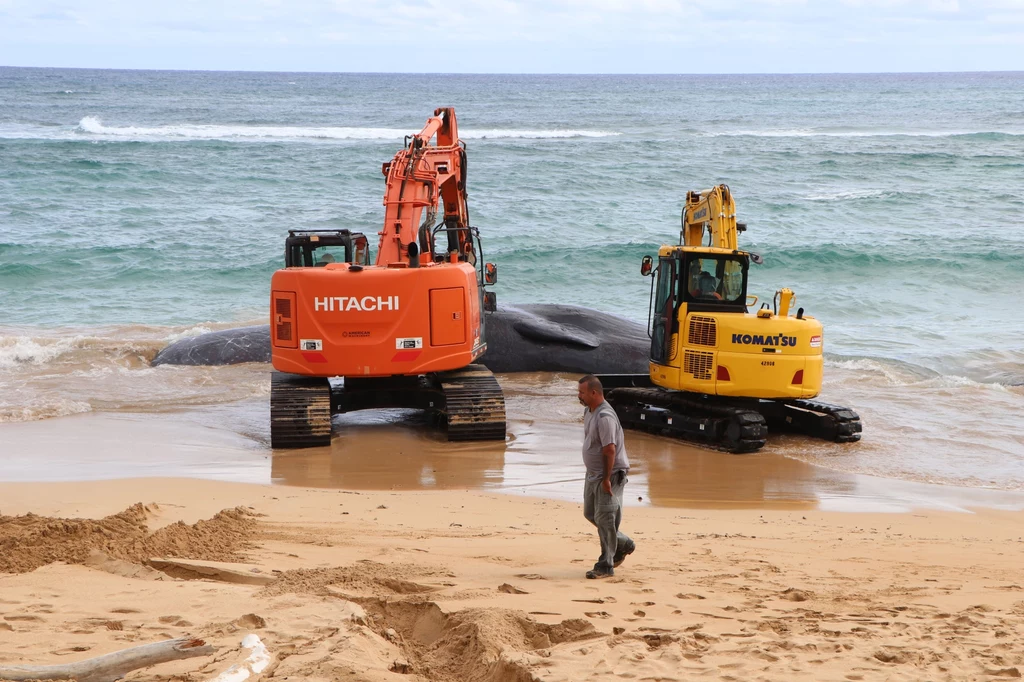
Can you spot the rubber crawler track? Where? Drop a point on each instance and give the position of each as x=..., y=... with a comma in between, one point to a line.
x=814, y=418
x=300, y=411
x=731, y=428
x=474, y=404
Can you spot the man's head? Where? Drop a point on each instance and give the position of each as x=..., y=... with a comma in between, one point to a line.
x=590, y=391
x=326, y=258
x=707, y=283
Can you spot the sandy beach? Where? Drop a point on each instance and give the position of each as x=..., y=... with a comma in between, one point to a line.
x=453, y=585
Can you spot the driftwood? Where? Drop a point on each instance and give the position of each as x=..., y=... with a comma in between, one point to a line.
x=190, y=570
x=113, y=666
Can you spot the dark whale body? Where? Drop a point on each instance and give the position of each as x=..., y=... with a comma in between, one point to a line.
x=520, y=338
x=226, y=347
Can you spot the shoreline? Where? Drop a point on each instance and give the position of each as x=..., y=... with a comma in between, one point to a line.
x=540, y=459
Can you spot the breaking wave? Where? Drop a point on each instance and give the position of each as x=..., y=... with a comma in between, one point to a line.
x=822, y=132
x=71, y=372
x=94, y=126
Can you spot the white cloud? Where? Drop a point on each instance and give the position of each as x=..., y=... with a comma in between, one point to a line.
x=509, y=35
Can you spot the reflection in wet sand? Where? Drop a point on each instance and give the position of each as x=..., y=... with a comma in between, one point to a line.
x=391, y=450
x=398, y=450
x=542, y=458
x=680, y=475
x=395, y=449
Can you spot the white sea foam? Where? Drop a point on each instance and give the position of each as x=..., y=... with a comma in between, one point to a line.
x=93, y=126
x=23, y=350
x=896, y=375
x=187, y=333
x=851, y=194
x=43, y=409
x=813, y=132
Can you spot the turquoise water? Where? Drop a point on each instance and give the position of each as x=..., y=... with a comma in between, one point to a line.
x=140, y=205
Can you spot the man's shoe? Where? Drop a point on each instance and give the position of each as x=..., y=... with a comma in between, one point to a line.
x=598, y=573
x=620, y=556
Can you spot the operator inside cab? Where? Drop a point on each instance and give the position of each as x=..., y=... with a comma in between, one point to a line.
x=702, y=284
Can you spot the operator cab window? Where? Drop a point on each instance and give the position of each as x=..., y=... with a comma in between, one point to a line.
x=304, y=250
x=323, y=255
x=715, y=280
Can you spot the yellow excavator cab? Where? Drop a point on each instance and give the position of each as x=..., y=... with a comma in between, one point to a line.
x=704, y=338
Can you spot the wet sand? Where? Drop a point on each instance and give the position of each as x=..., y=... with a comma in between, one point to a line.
x=396, y=450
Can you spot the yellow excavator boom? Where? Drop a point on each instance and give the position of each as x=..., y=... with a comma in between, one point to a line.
x=710, y=211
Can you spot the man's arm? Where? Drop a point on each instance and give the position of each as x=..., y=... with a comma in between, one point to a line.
x=608, y=454
x=606, y=430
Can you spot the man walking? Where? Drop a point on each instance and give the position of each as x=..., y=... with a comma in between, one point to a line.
x=604, y=455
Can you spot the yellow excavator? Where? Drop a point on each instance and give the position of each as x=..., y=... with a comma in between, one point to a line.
x=719, y=373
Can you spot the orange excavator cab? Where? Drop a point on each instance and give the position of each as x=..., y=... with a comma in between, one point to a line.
x=402, y=332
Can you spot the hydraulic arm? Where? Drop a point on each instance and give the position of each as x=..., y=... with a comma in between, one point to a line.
x=419, y=178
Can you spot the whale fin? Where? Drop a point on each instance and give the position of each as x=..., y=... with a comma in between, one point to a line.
x=539, y=329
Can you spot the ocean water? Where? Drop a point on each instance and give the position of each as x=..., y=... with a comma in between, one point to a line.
x=137, y=207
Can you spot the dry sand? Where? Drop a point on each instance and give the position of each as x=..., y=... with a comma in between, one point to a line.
x=449, y=585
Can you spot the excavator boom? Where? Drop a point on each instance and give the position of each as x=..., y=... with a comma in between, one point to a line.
x=418, y=178
x=711, y=211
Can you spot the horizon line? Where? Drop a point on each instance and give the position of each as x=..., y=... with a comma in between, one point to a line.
x=520, y=73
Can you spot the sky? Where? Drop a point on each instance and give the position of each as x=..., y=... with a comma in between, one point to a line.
x=518, y=36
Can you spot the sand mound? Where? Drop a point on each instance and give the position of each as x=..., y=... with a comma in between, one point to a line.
x=28, y=542
x=365, y=578
x=471, y=645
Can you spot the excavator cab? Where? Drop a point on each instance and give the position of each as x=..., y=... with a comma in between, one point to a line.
x=701, y=280
x=318, y=248
x=718, y=281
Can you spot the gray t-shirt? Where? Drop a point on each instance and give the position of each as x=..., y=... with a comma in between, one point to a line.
x=601, y=427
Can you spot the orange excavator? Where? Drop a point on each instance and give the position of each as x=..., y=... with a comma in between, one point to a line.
x=403, y=332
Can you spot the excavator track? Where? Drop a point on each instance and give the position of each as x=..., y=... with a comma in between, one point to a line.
x=474, y=406
x=813, y=418
x=731, y=428
x=300, y=411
